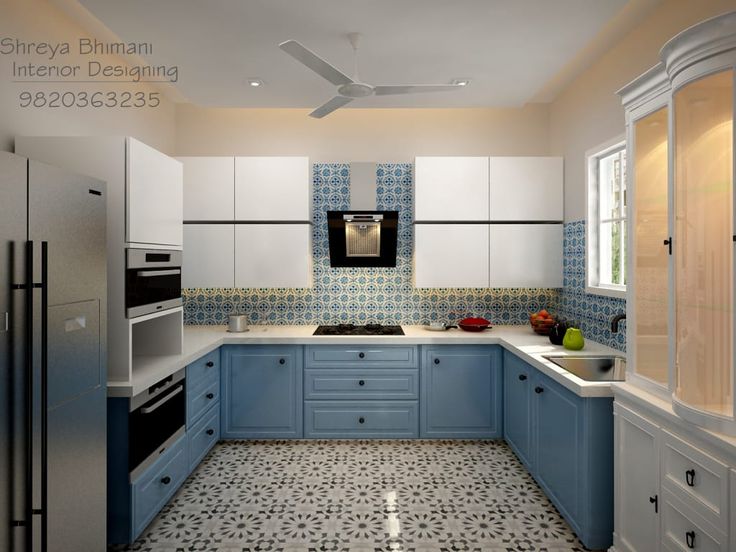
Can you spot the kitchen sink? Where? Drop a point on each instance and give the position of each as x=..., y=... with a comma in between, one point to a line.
x=592, y=368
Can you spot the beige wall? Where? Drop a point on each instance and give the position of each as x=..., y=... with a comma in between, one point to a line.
x=39, y=20
x=588, y=112
x=362, y=134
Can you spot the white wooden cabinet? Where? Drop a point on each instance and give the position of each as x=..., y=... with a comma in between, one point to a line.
x=154, y=196
x=209, y=188
x=526, y=255
x=451, y=255
x=636, y=487
x=526, y=188
x=451, y=188
x=272, y=188
x=209, y=259
x=273, y=256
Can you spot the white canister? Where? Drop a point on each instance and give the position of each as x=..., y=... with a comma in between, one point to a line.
x=237, y=323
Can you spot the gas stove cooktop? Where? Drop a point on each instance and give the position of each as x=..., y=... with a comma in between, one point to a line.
x=352, y=329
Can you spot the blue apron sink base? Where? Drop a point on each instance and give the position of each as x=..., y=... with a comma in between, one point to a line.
x=398, y=392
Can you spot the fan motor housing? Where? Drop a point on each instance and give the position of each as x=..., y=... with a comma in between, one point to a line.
x=355, y=90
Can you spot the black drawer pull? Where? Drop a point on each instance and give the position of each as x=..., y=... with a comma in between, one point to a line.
x=282, y=361
x=690, y=478
x=539, y=390
x=436, y=361
x=361, y=383
x=654, y=500
x=361, y=355
x=210, y=432
x=210, y=396
x=522, y=377
x=165, y=480
x=361, y=420
x=209, y=364
x=690, y=539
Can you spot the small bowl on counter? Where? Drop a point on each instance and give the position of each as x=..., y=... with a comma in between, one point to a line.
x=542, y=325
x=474, y=324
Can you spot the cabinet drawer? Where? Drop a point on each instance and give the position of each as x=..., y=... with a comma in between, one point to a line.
x=368, y=355
x=361, y=384
x=202, y=436
x=200, y=399
x=683, y=529
x=697, y=478
x=204, y=369
x=388, y=419
x=156, y=485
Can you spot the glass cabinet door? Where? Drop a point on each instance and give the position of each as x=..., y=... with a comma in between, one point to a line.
x=703, y=193
x=651, y=258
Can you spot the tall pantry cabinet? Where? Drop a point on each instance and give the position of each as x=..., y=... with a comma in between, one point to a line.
x=675, y=425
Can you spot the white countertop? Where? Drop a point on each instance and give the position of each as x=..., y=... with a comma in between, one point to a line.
x=520, y=340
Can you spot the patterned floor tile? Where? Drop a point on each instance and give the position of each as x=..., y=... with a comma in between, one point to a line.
x=359, y=496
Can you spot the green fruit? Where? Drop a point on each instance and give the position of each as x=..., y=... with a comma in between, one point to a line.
x=573, y=339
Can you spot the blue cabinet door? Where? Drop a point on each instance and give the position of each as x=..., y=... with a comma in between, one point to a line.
x=461, y=392
x=558, y=444
x=261, y=392
x=518, y=381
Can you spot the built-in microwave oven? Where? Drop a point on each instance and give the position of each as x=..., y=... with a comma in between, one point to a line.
x=152, y=281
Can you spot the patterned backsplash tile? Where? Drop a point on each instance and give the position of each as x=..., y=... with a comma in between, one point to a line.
x=592, y=313
x=363, y=295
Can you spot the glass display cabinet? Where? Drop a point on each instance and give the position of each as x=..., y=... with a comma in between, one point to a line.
x=680, y=311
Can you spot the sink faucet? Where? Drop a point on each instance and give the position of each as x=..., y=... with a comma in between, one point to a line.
x=616, y=319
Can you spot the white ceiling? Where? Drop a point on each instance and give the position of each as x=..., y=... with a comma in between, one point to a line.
x=510, y=49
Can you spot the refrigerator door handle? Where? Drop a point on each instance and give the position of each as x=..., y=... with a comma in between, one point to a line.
x=30, y=380
x=44, y=391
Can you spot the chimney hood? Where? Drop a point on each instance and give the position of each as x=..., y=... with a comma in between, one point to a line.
x=362, y=236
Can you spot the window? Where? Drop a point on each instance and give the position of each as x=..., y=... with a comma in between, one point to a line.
x=606, y=227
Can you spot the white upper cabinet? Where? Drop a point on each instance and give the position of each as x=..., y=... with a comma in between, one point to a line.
x=526, y=255
x=155, y=195
x=451, y=188
x=451, y=255
x=208, y=259
x=209, y=188
x=272, y=188
x=273, y=256
x=526, y=188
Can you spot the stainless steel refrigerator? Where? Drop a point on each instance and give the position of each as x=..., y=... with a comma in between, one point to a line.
x=52, y=359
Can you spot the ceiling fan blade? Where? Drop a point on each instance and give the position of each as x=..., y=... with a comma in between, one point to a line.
x=315, y=63
x=411, y=88
x=327, y=108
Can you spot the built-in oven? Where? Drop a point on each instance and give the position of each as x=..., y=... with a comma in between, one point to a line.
x=152, y=281
x=156, y=420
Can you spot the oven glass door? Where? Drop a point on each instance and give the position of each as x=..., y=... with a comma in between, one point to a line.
x=154, y=422
x=151, y=286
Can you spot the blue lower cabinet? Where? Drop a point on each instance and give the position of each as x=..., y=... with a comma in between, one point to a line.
x=261, y=396
x=153, y=489
x=461, y=392
x=202, y=436
x=518, y=381
x=566, y=441
x=361, y=419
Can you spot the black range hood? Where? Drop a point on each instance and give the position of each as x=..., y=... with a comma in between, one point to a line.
x=362, y=238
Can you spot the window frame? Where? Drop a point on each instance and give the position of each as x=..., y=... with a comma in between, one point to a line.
x=593, y=219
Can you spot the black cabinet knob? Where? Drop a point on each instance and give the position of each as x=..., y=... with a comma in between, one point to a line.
x=209, y=364
x=210, y=432
x=282, y=361
x=690, y=478
x=361, y=383
x=361, y=420
x=436, y=361
x=522, y=377
x=690, y=539
x=361, y=355
x=210, y=396
x=165, y=480
x=538, y=390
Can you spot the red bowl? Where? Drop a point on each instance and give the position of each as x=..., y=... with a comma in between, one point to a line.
x=474, y=324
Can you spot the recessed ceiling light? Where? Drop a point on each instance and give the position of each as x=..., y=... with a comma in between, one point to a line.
x=461, y=82
x=255, y=83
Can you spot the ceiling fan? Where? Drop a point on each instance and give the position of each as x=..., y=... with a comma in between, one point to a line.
x=351, y=88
